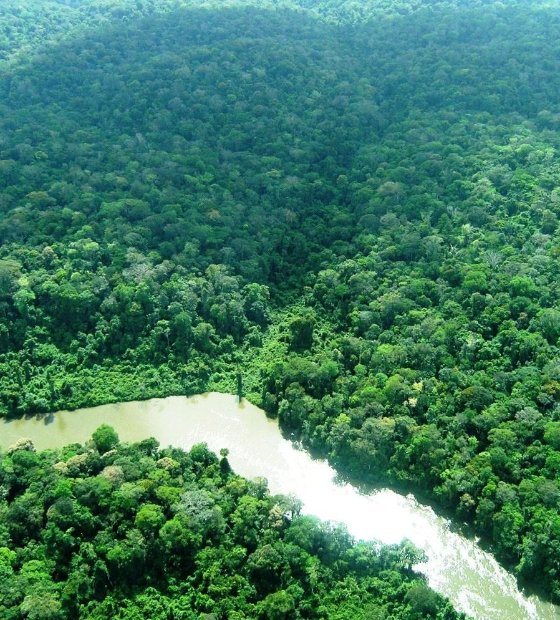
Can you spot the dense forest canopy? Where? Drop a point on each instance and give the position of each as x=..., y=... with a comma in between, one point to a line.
x=355, y=202
x=132, y=532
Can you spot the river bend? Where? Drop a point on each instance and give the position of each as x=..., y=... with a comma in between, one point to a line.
x=457, y=567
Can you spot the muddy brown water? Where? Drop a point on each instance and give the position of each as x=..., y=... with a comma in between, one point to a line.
x=457, y=567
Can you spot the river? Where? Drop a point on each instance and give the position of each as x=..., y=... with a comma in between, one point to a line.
x=457, y=567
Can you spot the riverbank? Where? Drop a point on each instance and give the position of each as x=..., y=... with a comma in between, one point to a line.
x=457, y=567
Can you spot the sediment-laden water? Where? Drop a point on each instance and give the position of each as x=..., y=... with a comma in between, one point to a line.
x=457, y=567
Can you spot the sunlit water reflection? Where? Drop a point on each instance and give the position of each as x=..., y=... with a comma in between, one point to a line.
x=457, y=567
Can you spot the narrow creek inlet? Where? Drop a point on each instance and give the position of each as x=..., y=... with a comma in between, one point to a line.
x=457, y=567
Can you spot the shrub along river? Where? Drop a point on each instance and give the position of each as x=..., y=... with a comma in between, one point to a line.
x=456, y=567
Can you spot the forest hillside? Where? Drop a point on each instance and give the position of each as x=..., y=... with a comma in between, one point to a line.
x=355, y=203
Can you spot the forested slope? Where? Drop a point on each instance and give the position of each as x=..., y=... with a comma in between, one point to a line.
x=357, y=201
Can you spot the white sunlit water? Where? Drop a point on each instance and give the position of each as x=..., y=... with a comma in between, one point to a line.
x=456, y=566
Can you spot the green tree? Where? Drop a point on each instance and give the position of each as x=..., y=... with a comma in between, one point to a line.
x=105, y=438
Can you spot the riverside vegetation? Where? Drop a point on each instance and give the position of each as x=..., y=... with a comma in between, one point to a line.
x=130, y=532
x=355, y=203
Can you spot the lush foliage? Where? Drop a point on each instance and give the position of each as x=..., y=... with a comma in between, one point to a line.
x=356, y=203
x=122, y=531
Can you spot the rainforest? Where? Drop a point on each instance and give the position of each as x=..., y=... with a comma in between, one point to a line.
x=346, y=210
